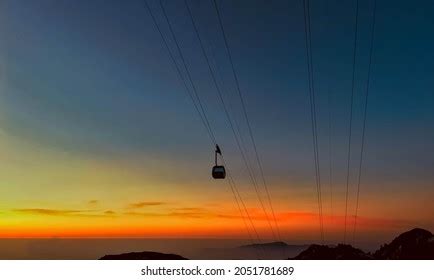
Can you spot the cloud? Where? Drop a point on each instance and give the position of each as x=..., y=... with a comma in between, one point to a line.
x=93, y=202
x=49, y=212
x=143, y=204
x=109, y=212
x=187, y=212
x=196, y=209
x=62, y=212
x=144, y=214
x=191, y=214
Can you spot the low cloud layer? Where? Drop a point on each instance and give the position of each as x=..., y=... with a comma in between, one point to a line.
x=143, y=204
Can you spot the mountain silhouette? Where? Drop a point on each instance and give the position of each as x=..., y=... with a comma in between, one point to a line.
x=416, y=244
x=146, y=255
x=271, y=245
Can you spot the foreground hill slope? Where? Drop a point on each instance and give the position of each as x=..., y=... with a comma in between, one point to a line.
x=416, y=244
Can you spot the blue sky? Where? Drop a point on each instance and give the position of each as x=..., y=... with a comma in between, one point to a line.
x=92, y=78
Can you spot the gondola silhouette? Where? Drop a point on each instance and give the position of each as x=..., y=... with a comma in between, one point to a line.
x=218, y=171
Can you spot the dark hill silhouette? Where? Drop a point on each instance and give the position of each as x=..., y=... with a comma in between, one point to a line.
x=416, y=244
x=146, y=255
x=339, y=252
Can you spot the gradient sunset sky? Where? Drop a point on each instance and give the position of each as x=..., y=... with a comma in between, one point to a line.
x=99, y=139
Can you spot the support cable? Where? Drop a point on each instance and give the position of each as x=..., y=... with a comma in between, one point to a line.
x=204, y=119
x=306, y=12
x=351, y=120
x=364, y=118
x=247, y=119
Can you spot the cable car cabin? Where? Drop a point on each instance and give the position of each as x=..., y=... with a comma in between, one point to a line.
x=218, y=172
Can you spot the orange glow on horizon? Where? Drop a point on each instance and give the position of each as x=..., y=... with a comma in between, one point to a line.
x=228, y=225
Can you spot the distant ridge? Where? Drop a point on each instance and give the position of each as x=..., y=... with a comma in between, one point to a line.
x=271, y=245
x=146, y=255
x=277, y=244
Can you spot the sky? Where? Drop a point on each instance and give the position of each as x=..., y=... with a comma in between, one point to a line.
x=98, y=137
